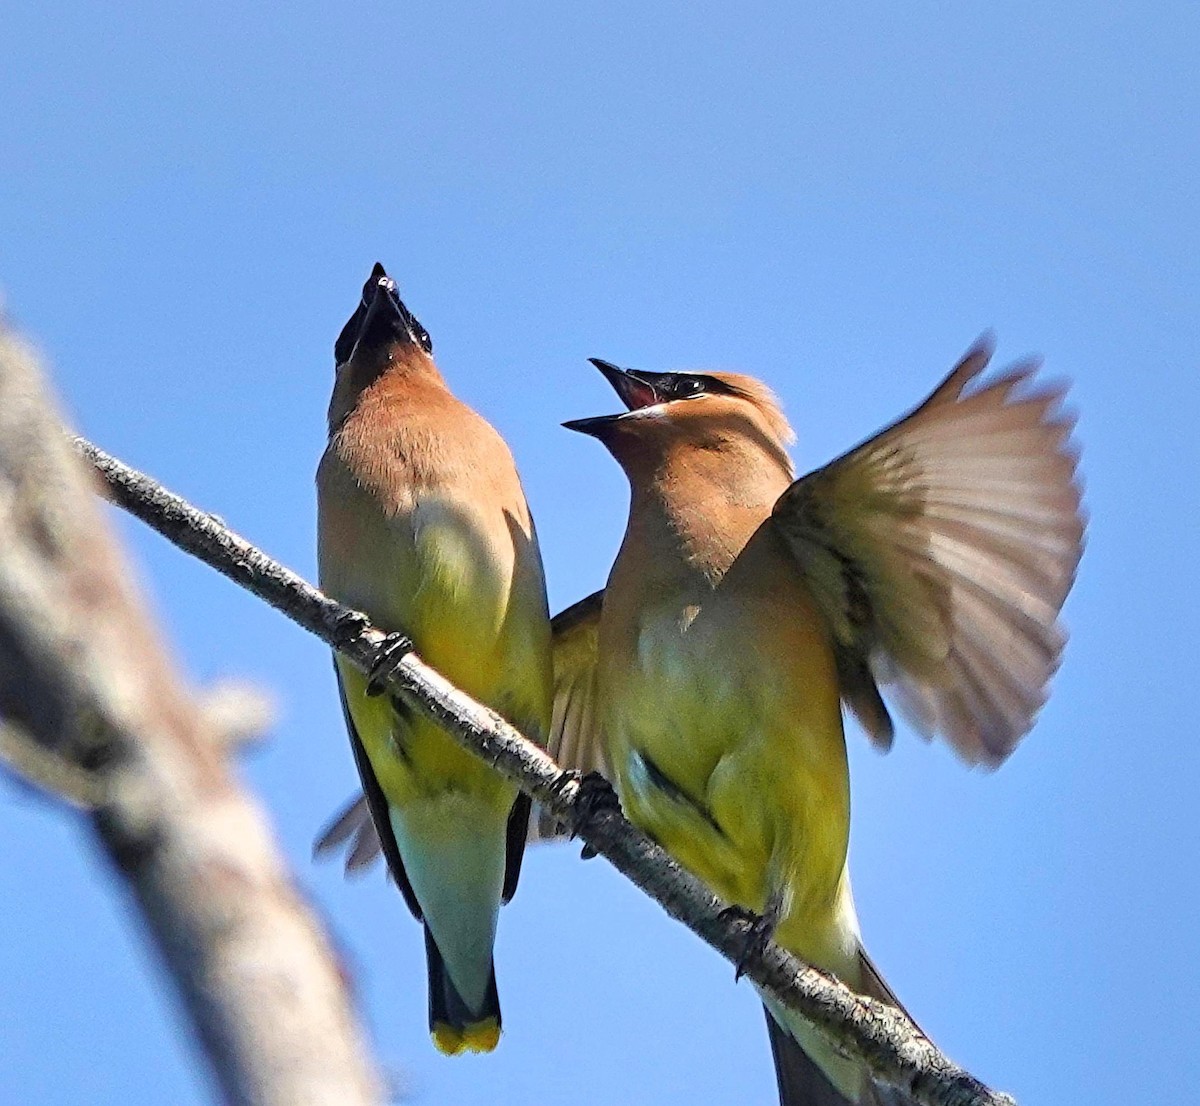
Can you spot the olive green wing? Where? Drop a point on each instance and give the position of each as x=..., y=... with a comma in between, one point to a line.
x=574, y=740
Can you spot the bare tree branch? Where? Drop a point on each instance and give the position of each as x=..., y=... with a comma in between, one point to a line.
x=894, y=1049
x=93, y=710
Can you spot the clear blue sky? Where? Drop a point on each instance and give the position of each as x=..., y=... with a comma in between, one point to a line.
x=834, y=197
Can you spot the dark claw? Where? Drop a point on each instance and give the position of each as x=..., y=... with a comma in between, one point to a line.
x=349, y=626
x=736, y=913
x=595, y=795
x=392, y=651
x=760, y=930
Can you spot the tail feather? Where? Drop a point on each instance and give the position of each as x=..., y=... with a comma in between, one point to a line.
x=802, y=1080
x=454, y=1026
x=454, y=856
x=875, y=986
x=514, y=844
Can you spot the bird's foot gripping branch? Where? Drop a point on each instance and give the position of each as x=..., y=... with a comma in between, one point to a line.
x=594, y=800
x=391, y=651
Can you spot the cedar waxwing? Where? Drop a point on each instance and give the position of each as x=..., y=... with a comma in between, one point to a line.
x=422, y=525
x=744, y=606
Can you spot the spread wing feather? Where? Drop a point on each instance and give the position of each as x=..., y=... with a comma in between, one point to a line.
x=574, y=740
x=941, y=550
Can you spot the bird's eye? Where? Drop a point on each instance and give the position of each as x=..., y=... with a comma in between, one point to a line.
x=688, y=386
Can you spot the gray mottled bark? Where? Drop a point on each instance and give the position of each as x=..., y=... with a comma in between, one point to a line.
x=92, y=708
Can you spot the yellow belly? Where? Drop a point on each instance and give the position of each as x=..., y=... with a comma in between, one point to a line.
x=471, y=596
x=413, y=758
x=729, y=751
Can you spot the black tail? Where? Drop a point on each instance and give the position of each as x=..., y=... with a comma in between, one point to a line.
x=454, y=1026
x=801, y=1081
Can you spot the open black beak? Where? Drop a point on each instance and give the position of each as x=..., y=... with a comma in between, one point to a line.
x=633, y=387
x=381, y=318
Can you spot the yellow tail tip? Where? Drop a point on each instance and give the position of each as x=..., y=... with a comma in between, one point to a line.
x=478, y=1037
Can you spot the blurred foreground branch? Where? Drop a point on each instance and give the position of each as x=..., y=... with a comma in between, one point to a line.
x=894, y=1049
x=92, y=711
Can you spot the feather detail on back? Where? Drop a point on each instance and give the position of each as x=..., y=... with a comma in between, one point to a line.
x=941, y=550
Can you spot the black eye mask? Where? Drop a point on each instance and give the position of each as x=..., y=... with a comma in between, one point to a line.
x=380, y=316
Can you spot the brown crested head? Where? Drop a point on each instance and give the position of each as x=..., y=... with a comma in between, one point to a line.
x=720, y=412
